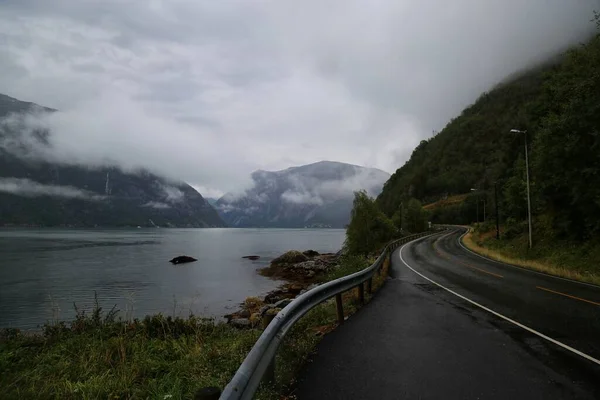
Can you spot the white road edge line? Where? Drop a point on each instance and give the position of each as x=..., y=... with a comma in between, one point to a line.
x=522, y=268
x=497, y=314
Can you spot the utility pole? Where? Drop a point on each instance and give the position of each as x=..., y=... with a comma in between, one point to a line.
x=497, y=212
x=401, y=216
x=477, y=205
x=483, y=210
x=528, y=189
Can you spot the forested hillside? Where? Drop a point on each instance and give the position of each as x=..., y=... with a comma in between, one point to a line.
x=558, y=104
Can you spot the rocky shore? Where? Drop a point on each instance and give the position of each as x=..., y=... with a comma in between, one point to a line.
x=301, y=270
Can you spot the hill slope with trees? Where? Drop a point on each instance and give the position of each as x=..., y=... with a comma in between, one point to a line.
x=558, y=104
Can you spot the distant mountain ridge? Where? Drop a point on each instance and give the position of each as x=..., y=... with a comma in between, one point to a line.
x=39, y=193
x=315, y=195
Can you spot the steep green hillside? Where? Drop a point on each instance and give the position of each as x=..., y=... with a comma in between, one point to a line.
x=559, y=105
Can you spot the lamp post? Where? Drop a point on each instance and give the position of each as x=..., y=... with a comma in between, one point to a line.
x=497, y=212
x=477, y=204
x=528, y=189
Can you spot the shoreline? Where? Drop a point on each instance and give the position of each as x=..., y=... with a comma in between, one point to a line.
x=299, y=271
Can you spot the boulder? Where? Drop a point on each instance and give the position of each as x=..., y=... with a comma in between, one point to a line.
x=251, y=257
x=273, y=311
x=312, y=265
x=295, y=288
x=282, y=303
x=272, y=298
x=244, y=314
x=240, y=322
x=263, y=310
x=182, y=259
x=310, y=253
x=290, y=257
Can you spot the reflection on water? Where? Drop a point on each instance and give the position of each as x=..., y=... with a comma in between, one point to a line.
x=44, y=272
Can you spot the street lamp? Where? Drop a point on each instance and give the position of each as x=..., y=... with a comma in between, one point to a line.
x=528, y=190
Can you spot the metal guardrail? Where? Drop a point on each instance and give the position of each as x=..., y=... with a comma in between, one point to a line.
x=260, y=361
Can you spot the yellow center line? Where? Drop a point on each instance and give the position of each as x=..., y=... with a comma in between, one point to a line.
x=568, y=295
x=439, y=252
x=483, y=270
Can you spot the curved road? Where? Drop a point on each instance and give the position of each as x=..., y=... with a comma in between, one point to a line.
x=451, y=324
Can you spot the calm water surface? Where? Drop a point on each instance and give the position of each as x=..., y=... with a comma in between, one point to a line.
x=43, y=272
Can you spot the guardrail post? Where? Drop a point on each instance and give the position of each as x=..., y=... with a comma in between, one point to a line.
x=208, y=393
x=340, y=308
x=370, y=285
x=361, y=293
x=269, y=376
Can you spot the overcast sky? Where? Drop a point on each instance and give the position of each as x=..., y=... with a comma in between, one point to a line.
x=208, y=91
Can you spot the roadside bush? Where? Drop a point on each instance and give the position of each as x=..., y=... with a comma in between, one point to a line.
x=369, y=227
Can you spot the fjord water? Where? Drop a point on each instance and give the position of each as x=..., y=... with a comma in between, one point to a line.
x=43, y=272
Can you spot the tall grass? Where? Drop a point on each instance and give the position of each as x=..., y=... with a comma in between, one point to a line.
x=580, y=262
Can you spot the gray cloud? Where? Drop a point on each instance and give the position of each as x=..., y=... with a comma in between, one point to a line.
x=209, y=91
x=156, y=204
x=172, y=194
x=315, y=191
x=301, y=197
x=29, y=188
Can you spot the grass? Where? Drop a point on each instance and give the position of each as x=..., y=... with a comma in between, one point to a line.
x=157, y=357
x=577, y=261
x=99, y=356
x=450, y=201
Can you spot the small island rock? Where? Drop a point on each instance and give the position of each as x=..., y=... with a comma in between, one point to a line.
x=182, y=259
x=251, y=257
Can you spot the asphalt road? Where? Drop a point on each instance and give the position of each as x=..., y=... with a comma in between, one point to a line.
x=450, y=324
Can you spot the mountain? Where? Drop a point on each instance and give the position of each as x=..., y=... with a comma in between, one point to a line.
x=211, y=200
x=558, y=104
x=315, y=195
x=39, y=193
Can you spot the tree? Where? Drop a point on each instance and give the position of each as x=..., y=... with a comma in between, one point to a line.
x=415, y=217
x=397, y=218
x=567, y=148
x=369, y=228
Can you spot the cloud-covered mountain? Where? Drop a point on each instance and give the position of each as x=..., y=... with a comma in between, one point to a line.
x=314, y=195
x=45, y=193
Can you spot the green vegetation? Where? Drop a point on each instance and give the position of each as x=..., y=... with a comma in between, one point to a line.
x=100, y=356
x=97, y=356
x=558, y=104
x=370, y=229
x=565, y=258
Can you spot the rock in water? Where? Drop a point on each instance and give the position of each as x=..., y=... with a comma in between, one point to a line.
x=290, y=257
x=310, y=253
x=252, y=257
x=182, y=259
